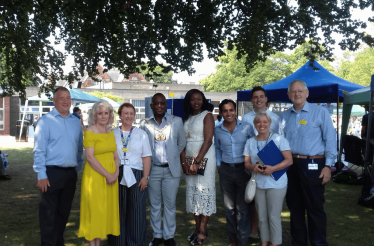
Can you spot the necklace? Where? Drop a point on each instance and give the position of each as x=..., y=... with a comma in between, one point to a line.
x=190, y=124
x=160, y=136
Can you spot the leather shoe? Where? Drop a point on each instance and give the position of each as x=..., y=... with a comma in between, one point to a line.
x=156, y=242
x=170, y=242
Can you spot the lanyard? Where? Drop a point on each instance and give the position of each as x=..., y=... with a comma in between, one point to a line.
x=258, y=148
x=125, y=142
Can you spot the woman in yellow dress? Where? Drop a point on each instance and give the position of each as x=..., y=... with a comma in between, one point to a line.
x=99, y=215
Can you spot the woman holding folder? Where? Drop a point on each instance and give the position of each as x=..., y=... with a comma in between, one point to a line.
x=270, y=192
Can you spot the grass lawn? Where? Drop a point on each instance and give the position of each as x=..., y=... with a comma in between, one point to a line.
x=348, y=223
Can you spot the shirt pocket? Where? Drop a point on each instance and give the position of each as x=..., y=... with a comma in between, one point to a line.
x=310, y=129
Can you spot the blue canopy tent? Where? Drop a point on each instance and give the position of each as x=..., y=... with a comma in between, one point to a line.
x=323, y=86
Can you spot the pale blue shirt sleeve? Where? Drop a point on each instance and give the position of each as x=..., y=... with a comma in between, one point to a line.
x=329, y=136
x=40, y=148
x=218, y=148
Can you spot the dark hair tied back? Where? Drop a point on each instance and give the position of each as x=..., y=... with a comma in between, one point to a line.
x=187, y=110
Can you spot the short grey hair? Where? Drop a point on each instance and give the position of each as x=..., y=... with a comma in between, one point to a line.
x=59, y=89
x=297, y=81
x=258, y=116
x=93, y=113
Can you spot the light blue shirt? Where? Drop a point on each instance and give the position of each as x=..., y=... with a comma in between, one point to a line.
x=229, y=147
x=266, y=181
x=58, y=141
x=160, y=146
x=310, y=132
x=274, y=127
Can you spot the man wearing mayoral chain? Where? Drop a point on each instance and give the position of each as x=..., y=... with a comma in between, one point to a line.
x=167, y=139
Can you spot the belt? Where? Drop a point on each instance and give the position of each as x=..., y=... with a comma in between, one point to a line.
x=61, y=168
x=241, y=164
x=308, y=157
x=162, y=165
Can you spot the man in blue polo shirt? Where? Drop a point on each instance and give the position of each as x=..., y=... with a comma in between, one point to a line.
x=312, y=137
x=230, y=138
x=58, y=148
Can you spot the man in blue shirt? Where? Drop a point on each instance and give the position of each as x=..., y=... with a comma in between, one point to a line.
x=259, y=100
x=230, y=138
x=312, y=137
x=58, y=148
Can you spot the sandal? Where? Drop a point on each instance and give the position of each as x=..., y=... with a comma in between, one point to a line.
x=192, y=237
x=199, y=241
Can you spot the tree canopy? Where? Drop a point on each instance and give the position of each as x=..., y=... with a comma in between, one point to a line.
x=232, y=75
x=125, y=34
x=357, y=67
x=158, y=75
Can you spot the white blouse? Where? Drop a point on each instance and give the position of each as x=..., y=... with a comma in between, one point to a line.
x=138, y=147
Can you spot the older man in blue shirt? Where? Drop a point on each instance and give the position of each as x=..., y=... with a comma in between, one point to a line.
x=58, y=152
x=230, y=138
x=312, y=137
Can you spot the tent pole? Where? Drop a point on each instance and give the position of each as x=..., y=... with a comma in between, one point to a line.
x=339, y=167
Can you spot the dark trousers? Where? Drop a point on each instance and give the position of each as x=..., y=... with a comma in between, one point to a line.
x=132, y=212
x=55, y=205
x=233, y=181
x=306, y=193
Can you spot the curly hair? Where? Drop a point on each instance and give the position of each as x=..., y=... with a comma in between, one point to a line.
x=93, y=113
x=187, y=110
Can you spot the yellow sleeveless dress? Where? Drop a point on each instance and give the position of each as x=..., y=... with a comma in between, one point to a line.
x=99, y=212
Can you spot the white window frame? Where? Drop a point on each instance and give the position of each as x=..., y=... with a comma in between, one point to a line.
x=2, y=123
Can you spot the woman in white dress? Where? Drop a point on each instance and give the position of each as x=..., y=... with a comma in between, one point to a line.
x=200, y=190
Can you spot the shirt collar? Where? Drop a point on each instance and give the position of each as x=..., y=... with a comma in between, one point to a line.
x=306, y=107
x=55, y=113
x=238, y=123
x=165, y=116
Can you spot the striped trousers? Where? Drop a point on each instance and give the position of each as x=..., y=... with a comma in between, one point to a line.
x=132, y=212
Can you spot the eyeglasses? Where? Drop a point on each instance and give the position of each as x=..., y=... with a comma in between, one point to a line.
x=298, y=92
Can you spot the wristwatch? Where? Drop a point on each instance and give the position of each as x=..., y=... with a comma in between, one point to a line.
x=147, y=177
x=328, y=166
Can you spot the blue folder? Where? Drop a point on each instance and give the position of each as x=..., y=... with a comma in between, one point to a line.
x=270, y=155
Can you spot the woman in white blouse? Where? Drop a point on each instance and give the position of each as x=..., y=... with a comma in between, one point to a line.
x=270, y=193
x=135, y=154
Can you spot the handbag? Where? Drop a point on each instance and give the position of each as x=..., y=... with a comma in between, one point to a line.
x=250, y=189
x=191, y=160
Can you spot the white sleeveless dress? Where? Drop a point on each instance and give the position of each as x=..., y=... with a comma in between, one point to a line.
x=200, y=190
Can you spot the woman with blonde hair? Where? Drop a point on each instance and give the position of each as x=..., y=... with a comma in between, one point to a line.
x=99, y=214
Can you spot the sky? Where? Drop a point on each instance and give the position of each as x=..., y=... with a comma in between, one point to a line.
x=207, y=67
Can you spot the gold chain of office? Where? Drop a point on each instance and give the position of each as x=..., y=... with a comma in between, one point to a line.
x=160, y=136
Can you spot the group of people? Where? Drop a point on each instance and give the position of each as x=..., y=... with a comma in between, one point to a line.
x=126, y=164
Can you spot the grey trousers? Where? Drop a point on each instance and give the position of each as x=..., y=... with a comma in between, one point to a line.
x=269, y=204
x=233, y=181
x=162, y=188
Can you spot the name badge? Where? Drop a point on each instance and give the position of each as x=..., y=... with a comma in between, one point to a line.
x=122, y=162
x=302, y=122
x=125, y=150
x=127, y=162
x=312, y=166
